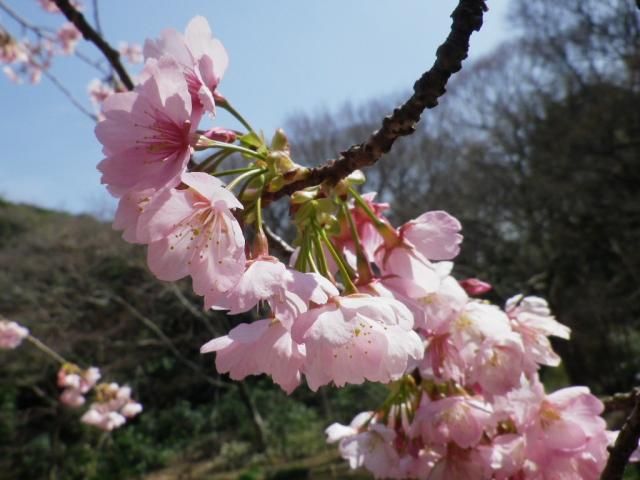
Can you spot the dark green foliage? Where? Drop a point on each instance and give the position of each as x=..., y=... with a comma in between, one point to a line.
x=61, y=276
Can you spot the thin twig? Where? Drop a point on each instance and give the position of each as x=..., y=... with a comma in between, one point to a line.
x=196, y=312
x=65, y=91
x=625, y=444
x=90, y=34
x=167, y=342
x=279, y=242
x=81, y=56
x=96, y=17
x=467, y=18
x=17, y=17
x=46, y=349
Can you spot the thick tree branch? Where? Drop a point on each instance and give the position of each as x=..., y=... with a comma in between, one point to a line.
x=467, y=18
x=625, y=444
x=91, y=35
x=619, y=401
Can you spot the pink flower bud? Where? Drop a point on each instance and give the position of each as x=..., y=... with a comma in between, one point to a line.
x=11, y=334
x=220, y=134
x=475, y=287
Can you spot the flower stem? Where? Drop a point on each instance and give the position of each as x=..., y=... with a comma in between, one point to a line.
x=213, y=161
x=234, y=148
x=303, y=253
x=259, y=210
x=362, y=203
x=364, y=268
x=322, y=259
x=229, y=108
x=43, y=348
x=342, y=266
x=247, y=174
x=233, y=171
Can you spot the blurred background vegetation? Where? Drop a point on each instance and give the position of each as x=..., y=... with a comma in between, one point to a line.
x=536, y=149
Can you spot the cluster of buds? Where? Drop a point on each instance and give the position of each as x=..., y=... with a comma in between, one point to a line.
x=112, y=407
x=112, y=404
x=76, y=383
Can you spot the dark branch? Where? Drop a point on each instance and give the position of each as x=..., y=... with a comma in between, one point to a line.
x=467, y=18
x=625, y=444
x=619, y=402
x=90, y=34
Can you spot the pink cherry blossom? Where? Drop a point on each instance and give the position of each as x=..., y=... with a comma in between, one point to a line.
x=112, y=408
x=479, y=321
x=104, y=419
x=202, y=59
x=443, y=360
x=442, y=307
x=72, y=397
x=434, y=234
x=505, y=455
x=458, y=419
x=76, y=383
x=264, y=346
x=11, y=74
x=531, y=318
x=356, y=338
x=369, y=237
x=564, y=423
x=370, y=447
x=460, y=464
x=99, y=91
x=407, y=271
x=11, y=50
x=147, y=133
x=287, y=291
x=127, y=216
x=11, y=334
x=68, y=37
x=336, y=431
x=131, y=51
x=192, y=231
x=50, y=6
x=497, y=364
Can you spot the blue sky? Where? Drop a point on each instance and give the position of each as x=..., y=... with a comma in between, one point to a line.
x=286, y=56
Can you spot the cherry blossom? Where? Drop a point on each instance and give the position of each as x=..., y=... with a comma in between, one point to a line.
x=287, y=291
x=434, y=234
x=147, y=133
x=357, y=337
x=11, y=334
x=131, y=51
x=192, y=231
x=112, y=408
x=264, y=346
x=68, y=37
x=201, y=57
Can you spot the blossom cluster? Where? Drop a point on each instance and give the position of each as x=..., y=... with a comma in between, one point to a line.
x=113, y=404
x=112, y=408
x=26, y=57
x=359, y=300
